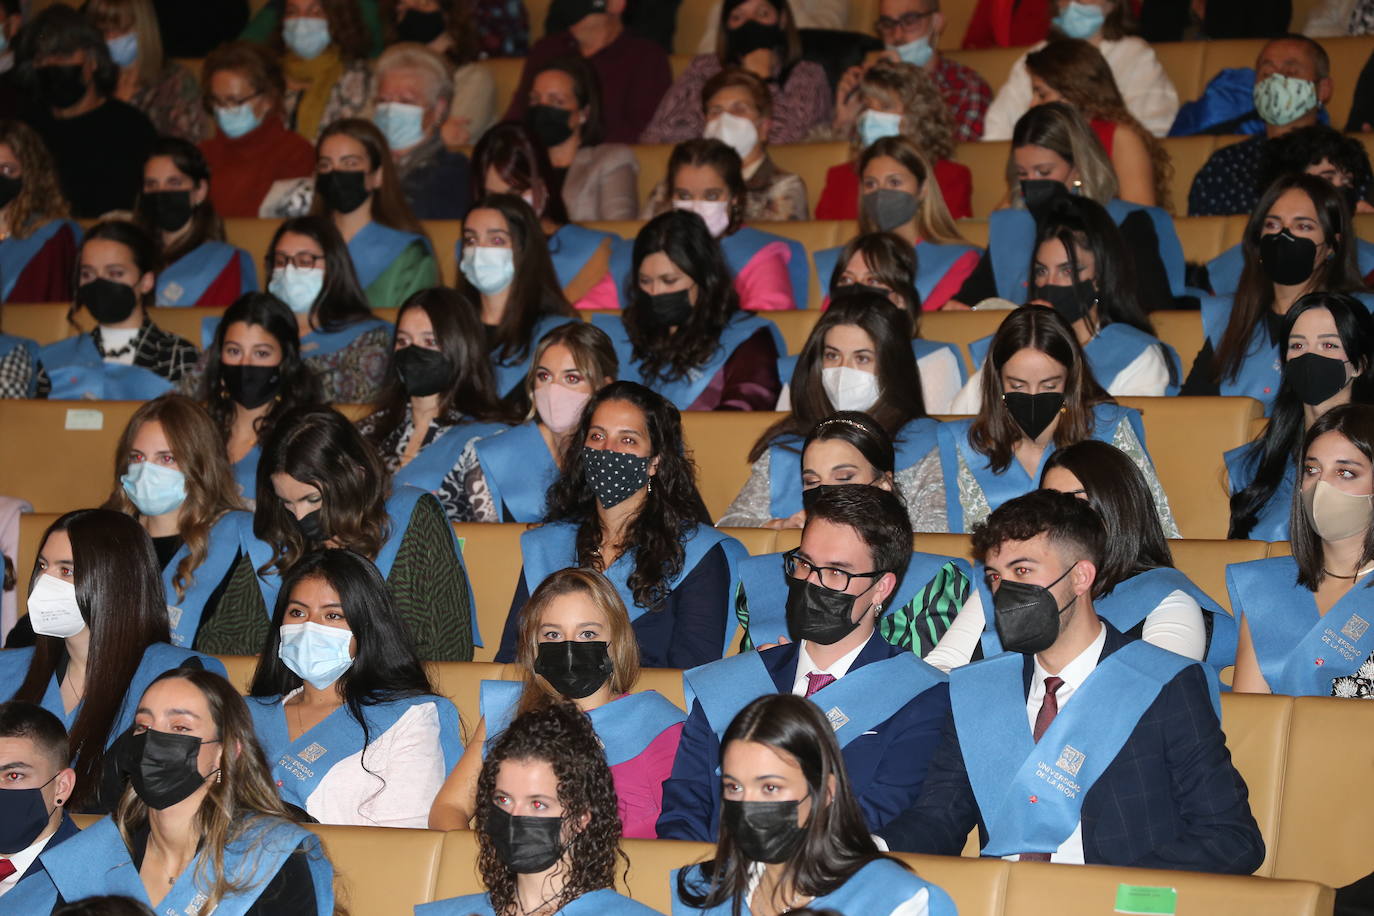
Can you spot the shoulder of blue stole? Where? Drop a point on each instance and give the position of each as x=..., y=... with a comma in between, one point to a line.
x=741, y=247
x=248, y=271
x=622, y=260
x=157, y=659
x=1241, y=464
x=978, y=350
x=1364, y=254
x=1366, y=298
x=264, y=844
x=922, y=347
x=1163, y=666
x=752, y=322
x=609, y=902
x=14, y=666
x=1011, y=235
x=1109, y=415
x=825, y=261
x=1223, y=271
x=725, y=686
x=952, y=438
x=697, y=544
x=466, y=905
x=497, y=701
x=450, y=723
x=1216, y=314
x=1170, y=248
x=885, y=884
x=1254, y=576
x=786, y=366
x=106, y=382
x=35, y=894
x=79, y=348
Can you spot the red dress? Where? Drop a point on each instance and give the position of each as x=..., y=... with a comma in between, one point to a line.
x=840, y=198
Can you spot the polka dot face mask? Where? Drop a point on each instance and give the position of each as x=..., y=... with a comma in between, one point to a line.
x=614, y=476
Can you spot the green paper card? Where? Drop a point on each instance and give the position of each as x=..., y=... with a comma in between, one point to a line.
x=1136, y=900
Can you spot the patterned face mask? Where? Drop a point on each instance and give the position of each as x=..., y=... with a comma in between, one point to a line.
x=1281, y=100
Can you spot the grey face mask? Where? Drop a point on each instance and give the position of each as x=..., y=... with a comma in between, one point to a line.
x=889, y=208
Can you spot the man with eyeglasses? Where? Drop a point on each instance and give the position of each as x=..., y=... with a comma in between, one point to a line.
x=885, y=704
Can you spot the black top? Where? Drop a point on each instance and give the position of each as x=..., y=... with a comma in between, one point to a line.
x=99, y=155
x=166, y=547
x=1201, y=379
x=196, y=29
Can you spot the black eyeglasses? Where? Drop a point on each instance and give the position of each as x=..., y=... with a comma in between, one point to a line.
x=886, y=25
x=836, y=580
x=302, y=259
x=233, y=103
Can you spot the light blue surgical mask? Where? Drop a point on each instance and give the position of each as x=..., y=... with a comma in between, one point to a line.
x=489, y=269
x=124, y=49
x=154, y=489
x=238, y=120
x=306, y=36
x=875, y=125
x=403, y=125
x=317, y=653
x=916, y=52
x=298, y=287
x=1080, y=20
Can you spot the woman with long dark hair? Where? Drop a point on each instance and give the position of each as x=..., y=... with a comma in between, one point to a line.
x=682, y=333
x=1298, y=240
x=1327, y=347
x=576, y=646
x=858, y=357
x=1303, y=618
x=627, y=506
x=98, y=610
x=791, y=832
x=548, y=830
x=339, y=671
x=438, y=397
x=321, y=484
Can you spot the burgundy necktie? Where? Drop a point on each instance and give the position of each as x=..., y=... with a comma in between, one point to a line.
x=1049, y=708
x=816, y=681
x=6, y=869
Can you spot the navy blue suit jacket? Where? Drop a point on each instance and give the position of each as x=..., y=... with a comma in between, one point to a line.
x=1170, y=799
x=886, y=766
x=66, y=829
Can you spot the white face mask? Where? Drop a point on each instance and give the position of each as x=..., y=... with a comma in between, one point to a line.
x=850, y=389
x=52, y=608
x=738, y=133
x=489, y=269
x=715, y=213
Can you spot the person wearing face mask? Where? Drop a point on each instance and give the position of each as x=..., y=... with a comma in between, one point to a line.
x=126, y=356
x=200, y=824
x=1292, y=86
x=438, y=397
x=895, y=99
x=321, y=484
x=172, y=475
x=450, y=29
x=1298, y=240
x=310, y=269
x=1327, y=342
x=1108, y=25
x=38, y=252
x=576, y=646
x=412, y=102
x=507, y=476
x=95, y=635
x=1302, y=616
x=1040, y=396
x=252, y=149
x=857, y=358
x=36, y=769
x=324, y=49
x=889, y=705
x=97, y=142
x=339, y=672
x=627, y=505
x=683, y=333
x=547, y=824
x=175, y=208
x=850, y=447
x=1129, y=734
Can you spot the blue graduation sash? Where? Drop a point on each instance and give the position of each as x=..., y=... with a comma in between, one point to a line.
x=316, y=343
x=1127, y=606
x=854, y=704
x=1170, y=248
x=375, y=247
x=428, y=469
x=298, y=766
x=1030, y=795
x=1223, y=271
x=1262, y=366
x=1300, y=651
x=1271, y=524
x=878, y=888
x=246, y=473
x=519, y=470
x=570, y=247
x=78, y=373
x=594, y=903
x=186, y=279
x=225, y=544
x=741, y=247
x=626, y=726
x=16, y=253
x=9, y=343
x=511, y=373
x=933, y=261
x=35, y=893
x=96, y=862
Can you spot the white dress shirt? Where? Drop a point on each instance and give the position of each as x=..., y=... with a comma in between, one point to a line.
x=22, y=860
x=806, y=666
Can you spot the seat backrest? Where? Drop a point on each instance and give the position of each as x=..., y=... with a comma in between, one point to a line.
x=756, y=540
x=1182, y=62
x=458, y=875
x=31, y=528
x=59, y=455
x=1201, y=238
x=949, y=545
x=796, y=326
x=975, y=232
x=461, y=682
x=240, y=670
x=693, y=18
x=719, y=443
x=42, y=322
x=184, y=322
x=1182, y=331
x=1189, y=154
x=651, y=864
x=492, y=556
x=961, y=328
x=1258, y=730
x=505, y=73
x=382, y=871
x=254, y=236
x=810, y=161
x=653, y=167
x=666, y=681
x=444, y=235
x=978, y=886
x=1205, y=562
x=987, y=160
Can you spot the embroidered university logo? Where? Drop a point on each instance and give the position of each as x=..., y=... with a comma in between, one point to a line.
x=196, y=905
x=173, y=616
x=837, y=719
x=312, y=753
x=1355, y=627
x=1070, y=760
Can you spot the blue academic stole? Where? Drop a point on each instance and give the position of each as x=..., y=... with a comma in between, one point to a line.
x=225, y=545
x=16, y=253
x=1131, y=601
x=625, y=726
x=428, y=469
x=1300, y=651
x=375, y=247
x=1262, y=366
x=933, y=261
x=9, y=343
x=246, y=473
x=519, y=470
x=1170, y=248
x=317, y=343
x=741, y=248
x=96, y=862
x=1271, y=523
x=1030, y=795
x=78, y=373
x=511, y=373
x=879, y=887
x=856, y=703
x=185, y=280
x=603, y=902
x=570, y=248
x=298, y=766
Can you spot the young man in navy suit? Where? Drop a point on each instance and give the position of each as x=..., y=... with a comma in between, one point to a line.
x=1077, y=745
x=886, y=705
x=35, y=779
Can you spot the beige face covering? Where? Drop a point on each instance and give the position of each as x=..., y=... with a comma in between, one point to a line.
x=1335, y=514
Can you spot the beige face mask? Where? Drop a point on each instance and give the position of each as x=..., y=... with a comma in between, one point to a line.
x=1335, y=514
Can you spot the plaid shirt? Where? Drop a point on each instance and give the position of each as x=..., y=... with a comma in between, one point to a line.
x=161, y=351
x=966, y=95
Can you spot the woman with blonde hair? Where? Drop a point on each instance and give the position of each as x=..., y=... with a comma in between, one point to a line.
x=895, y=99
x=576, y=643
x=161, y=88
x=38, y=241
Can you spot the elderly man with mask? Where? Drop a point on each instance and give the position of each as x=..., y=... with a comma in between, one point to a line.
x=414, y=92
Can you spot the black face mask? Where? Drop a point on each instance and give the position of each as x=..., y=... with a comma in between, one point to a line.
x=550, y=126
x=1033, y=412
x=752, y=36
x=251, y=386
x=1027, y=616
x=1039, y=193
x=818, y=614
x=162, y=767
x=1287, y=259
x=23, y=816
x=614, y=476
x=888, y=208
x=668, y=310
x=343, y=192
x=571, y=12
x=420, y=27
x=9, y=189
x=422, y=371
x=61, y=85
x=1071, y=302
x=167, y=210
x=108, y=301
x=527, y=845
x=859, y=289
x=575, y=669
x=763, y=831
x=1315, y=378
x=311, y=527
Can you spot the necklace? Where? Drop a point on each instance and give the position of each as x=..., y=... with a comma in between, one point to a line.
x=1357, y=575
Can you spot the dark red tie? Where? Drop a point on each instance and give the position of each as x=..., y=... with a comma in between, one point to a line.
x=815, y=681
x=6, y=869
x=1049, y=708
